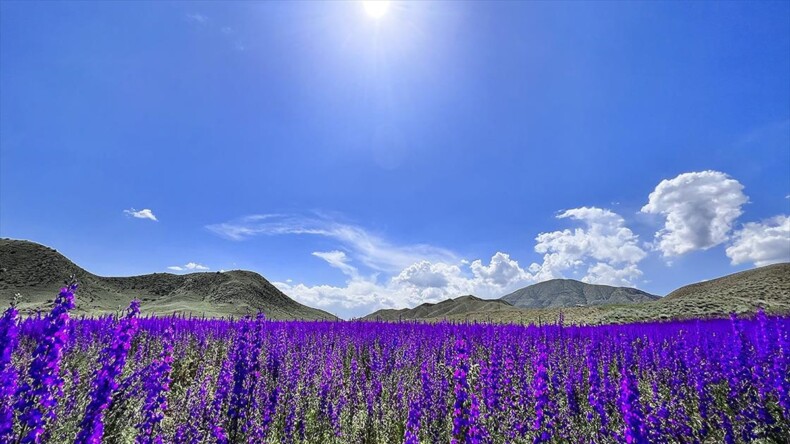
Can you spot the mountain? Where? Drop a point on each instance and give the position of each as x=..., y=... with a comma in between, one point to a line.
x=558, y=293
x=742, y=293
x=37, y=272
x=442, y=310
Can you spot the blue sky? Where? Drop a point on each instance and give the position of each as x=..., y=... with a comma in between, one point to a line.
x=442, y=149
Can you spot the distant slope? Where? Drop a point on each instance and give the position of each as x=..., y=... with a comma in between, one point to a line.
x=771, y=281
x=445, y=309
x=742, y=293
x=36, y=272
x=557, y=293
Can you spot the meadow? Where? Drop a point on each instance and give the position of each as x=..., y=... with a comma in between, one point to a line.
x=128, y=378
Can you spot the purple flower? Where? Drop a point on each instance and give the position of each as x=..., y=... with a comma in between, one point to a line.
x=157, y=385
x=9, y=332
x=542, y=423
x=412, y=434
x=112, y=361
x=224, y=381
x=465, y=408
x=38, y=395
x=630, y=407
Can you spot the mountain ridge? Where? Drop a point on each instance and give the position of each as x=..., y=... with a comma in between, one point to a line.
x=36, y=272
x=743, y=292
x=559, y=293
x=442, y=309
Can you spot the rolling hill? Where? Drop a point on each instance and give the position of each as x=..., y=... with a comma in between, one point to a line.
x=766, y=282
x=766, y=287
x=36, y=272
x=553, y=294
x=557, y=293
x=447, y=308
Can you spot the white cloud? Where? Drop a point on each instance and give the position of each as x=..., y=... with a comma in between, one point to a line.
x=762, y=243
x=337, y=259
x=199, y=19
x=699, y=207
x=420, y=282
x=425, y=275
x=191, y=266
x=358, y=297
x=607, y=249
x=368, y=248
x=398, y=276
x=142, y=214
x=501, y=271
x=605, y=274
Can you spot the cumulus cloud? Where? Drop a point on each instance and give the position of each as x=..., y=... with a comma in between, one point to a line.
x=192, y=266
x=358, y=297
x=762, y=243
x=381, y=274
x=501, y=271
x=370, y=249
x=142, y=214
x=605, y=247
x=699, y=207
x=606, y=274
x=424, y=274
x=423, y=281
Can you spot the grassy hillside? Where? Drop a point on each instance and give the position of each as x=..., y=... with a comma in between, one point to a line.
x=766, y=287
x=744, y=292
x=36, y=272
x=448, y=308
x=558, y=293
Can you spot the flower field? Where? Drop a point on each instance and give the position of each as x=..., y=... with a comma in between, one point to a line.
x=150, y=380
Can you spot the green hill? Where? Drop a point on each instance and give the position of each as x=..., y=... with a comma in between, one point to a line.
x=447, y=308
x=557, y=293
x=766, y=287
x=36, y=272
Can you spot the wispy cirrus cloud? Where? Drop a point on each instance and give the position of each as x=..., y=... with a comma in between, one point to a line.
x=142, y=214
x=380, y=273
x=225, y=32
x=196, y=18
x=698, y=211
x=370, y=249
x=339, y=260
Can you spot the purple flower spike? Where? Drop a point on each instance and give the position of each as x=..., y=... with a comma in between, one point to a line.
x=157, y=386
x=113, y=360
x=38, y=396
x=9, y=332
x=412, y=435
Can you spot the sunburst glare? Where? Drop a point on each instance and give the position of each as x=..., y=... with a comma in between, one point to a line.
x=376, y=8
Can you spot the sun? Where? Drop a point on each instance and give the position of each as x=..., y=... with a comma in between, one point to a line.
x=376, y=8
